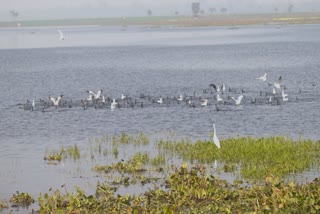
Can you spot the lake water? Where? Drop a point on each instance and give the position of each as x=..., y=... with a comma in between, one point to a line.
x=156, y=62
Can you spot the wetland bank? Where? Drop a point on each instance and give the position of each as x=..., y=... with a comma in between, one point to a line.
x=184, y=176
x=142, y=159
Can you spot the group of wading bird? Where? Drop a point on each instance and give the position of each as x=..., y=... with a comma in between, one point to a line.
x=219, y=96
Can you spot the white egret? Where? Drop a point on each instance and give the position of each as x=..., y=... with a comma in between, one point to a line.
x=215, y=138
x=160, y=101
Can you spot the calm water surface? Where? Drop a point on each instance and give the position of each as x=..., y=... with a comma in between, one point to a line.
x=169, y=61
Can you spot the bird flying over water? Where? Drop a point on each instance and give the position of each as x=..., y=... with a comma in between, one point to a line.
x=97, y=95
x=61, y=35
x=238, y=100
x=263, y=78
x=56, y=102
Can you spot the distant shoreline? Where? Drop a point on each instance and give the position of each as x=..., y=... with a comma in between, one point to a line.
x=179, y=21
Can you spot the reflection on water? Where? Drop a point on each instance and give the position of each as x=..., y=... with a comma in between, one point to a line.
x=152, y=61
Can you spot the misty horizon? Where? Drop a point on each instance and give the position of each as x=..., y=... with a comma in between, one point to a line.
x=59, y=9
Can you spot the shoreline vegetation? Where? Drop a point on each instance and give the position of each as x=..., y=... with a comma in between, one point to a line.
x=192, y=185
x=179, y=21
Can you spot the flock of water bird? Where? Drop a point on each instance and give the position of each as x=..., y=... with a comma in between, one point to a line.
x=219, y=96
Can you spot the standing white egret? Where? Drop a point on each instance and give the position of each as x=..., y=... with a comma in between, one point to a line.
x=215, y=138
x=180, y=97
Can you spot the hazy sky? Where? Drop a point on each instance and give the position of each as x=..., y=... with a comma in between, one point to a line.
x=46, y=9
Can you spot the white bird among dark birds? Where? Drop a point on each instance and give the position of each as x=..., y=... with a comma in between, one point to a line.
x=160, y=101
x=89, y=98
x=284, y=96
x=238, y=100
x=180, y=97
x=97, y=95
x=215, y=138
x=204, y=102
x=56, y=102
x=223, y=87
x=263, y=78
x=274, y=91
x=123, y=97
x=278, y=83
x=219, y=99
x=61, y=35
x=113, y=104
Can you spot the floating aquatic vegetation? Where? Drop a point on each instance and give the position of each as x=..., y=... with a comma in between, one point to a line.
x=3, y=205
x=21, y=199
x=186, y=191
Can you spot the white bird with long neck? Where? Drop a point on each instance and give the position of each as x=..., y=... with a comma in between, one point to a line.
x=263, y=78
x=56, y=102
x=238, y=100
x=215, y=138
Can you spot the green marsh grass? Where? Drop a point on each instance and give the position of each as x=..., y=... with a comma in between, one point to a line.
x=256, y=157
